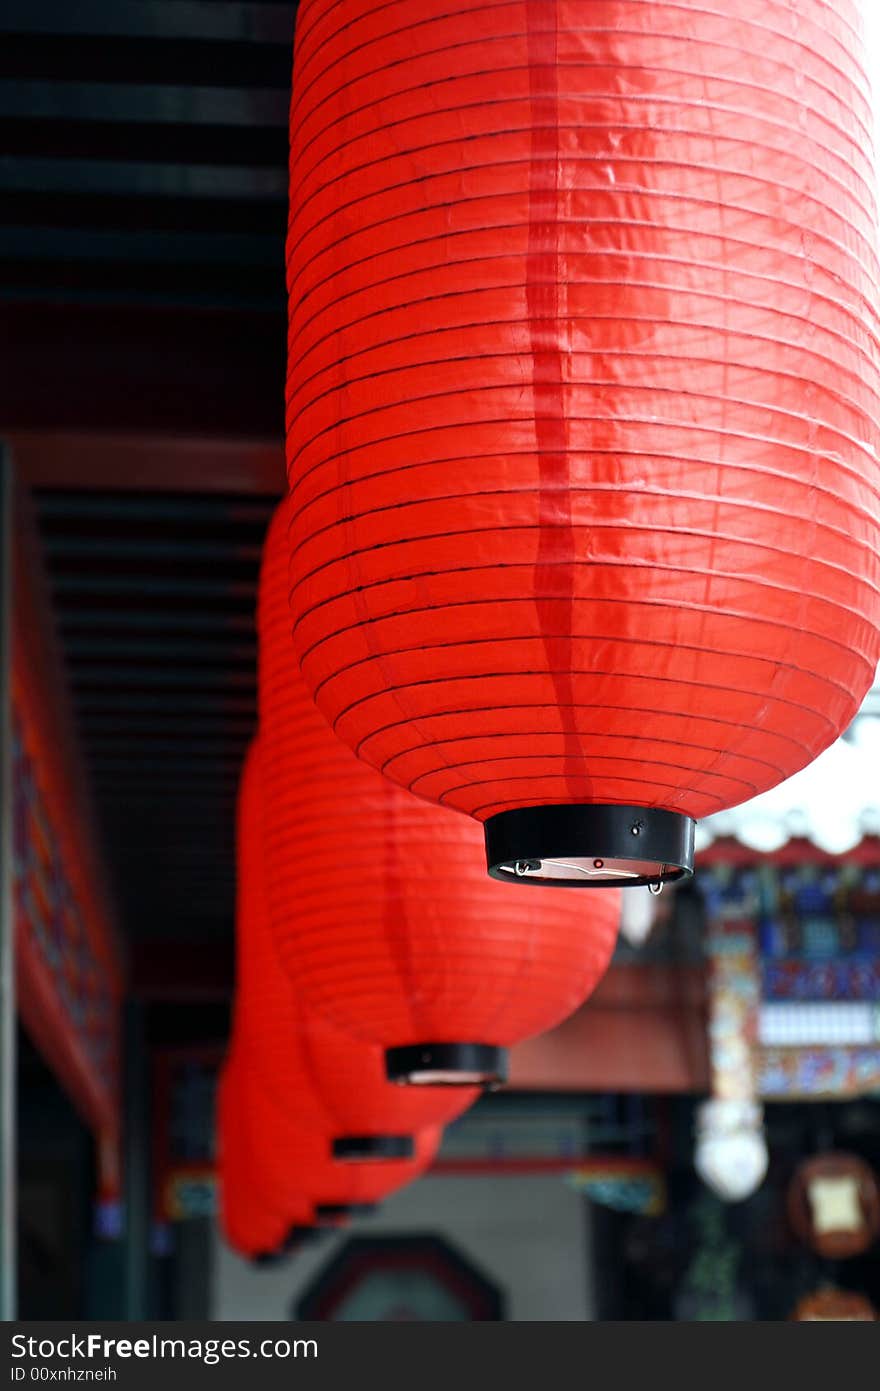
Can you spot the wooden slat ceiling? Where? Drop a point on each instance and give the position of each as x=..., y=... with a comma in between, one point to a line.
x=143, y=153
x=143, y=178
x=154, y=597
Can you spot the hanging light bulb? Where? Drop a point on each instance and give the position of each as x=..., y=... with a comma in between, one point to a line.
x=731, y=1152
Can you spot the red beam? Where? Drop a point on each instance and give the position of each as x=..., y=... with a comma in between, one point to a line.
x=142, y=462
x=789, y=856
x=142, y=370
x=643, y=1031
x=522, y=1164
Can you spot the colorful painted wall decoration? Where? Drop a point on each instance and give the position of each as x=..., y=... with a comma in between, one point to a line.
x=69, y=988
x=70, y=971
x=818, y=963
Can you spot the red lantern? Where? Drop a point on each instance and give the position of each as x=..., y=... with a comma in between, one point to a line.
x=379, y=904
x=306, y=1064
x=251, y=1225
x=583, y=408
x=372, y=1116
x=289, y=1159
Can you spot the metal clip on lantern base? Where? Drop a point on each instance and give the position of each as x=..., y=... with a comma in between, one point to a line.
x=590, y=846
x=447, y=1065
x=358, y=1149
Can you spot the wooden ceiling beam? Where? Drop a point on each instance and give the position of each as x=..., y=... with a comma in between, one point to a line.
x=167, y=463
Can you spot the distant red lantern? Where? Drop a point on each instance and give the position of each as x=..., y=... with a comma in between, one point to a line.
x=251, y=1224
x=289, y=1159
x=379, y=904
x=583, y=405
x=372, y=1115
x=305, y=1063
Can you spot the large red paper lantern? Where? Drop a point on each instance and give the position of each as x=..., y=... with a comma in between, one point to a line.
x=583, y=407
x=305, y=1063
x=379, y=904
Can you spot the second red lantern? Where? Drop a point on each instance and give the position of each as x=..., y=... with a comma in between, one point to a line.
x=304, y=1062
x=379, y=905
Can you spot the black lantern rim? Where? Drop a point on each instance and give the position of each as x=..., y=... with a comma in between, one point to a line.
x=339, y=1212
x=265, y=1259
x=302, y=1235
x=590, y=846
x=447, y=1065
x=360, y=1149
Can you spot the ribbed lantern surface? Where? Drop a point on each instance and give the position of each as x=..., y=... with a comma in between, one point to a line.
x=379, y=904
x=251, y=1223
x=370, y=1113
x=305, y=1063
x=583, y=406
x=288, y=1159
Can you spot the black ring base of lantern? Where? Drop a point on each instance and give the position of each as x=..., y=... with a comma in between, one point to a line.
x=447, y=1065
x=269, y=1258
x=356, y=1149
x=589, y=846
x=302, y=1236
x=340, y=1212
